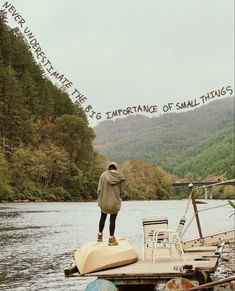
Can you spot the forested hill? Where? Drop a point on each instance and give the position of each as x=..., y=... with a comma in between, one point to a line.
x=46, y=150
x=195, y=143
x=46, y=144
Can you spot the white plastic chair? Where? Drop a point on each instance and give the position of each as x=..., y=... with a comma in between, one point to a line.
x=173, y=240
x=153, y=228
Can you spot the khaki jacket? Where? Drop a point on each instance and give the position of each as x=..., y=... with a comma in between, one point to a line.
x=110, y=189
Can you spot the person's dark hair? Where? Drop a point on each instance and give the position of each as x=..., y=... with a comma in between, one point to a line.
x=112, y=167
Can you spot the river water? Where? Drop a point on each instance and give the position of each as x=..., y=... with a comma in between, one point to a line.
x=37, y=240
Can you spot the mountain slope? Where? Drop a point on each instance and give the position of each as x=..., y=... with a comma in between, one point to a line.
x=45, y=141
x=200, y=141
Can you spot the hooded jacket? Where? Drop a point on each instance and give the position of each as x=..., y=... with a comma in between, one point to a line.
x=110, y=189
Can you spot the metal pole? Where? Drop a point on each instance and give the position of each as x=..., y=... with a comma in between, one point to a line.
x=205, y=189
x=211, y=284
x=197, y=216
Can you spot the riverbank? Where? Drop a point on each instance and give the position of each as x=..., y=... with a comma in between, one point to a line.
x=226, y=266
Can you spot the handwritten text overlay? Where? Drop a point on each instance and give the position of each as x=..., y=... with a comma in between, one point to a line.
x=49, y=69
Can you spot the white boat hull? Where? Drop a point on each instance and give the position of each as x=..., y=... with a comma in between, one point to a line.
x=96, y=256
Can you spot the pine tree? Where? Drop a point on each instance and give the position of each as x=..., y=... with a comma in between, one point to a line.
x=5, y=43
x=13, y=115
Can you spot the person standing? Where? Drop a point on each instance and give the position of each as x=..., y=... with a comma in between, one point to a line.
x=110, y=189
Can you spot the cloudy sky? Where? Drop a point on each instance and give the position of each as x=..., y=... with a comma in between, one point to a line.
x=135, y=52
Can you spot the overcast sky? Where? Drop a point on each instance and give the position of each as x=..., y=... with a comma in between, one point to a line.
x=135, y=52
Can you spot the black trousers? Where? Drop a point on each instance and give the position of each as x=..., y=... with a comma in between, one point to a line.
x=111, y=224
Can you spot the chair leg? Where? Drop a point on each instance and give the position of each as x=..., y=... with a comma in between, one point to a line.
x=154, y=252
x=155, y=247
x=173, y=238
x=180, y=246
x=170, y=237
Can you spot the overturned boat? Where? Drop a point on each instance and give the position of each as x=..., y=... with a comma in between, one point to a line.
x=96, y=256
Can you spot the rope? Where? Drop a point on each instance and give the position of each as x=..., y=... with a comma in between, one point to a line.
x=191, y=220
x=184, y=218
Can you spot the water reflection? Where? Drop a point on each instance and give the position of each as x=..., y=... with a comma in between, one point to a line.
x=8, y=214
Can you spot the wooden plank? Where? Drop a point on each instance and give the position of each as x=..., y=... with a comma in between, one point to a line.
x=190, y=253
x=195, y=255
x=209, y=265
x=143, y=269
x=212, y=239
x=202, y=249
x=162, y=268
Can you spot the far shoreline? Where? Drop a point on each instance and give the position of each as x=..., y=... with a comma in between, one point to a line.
x=198, y=201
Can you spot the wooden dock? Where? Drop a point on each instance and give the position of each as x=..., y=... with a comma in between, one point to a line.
x=197, y=264
x=199, y=261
